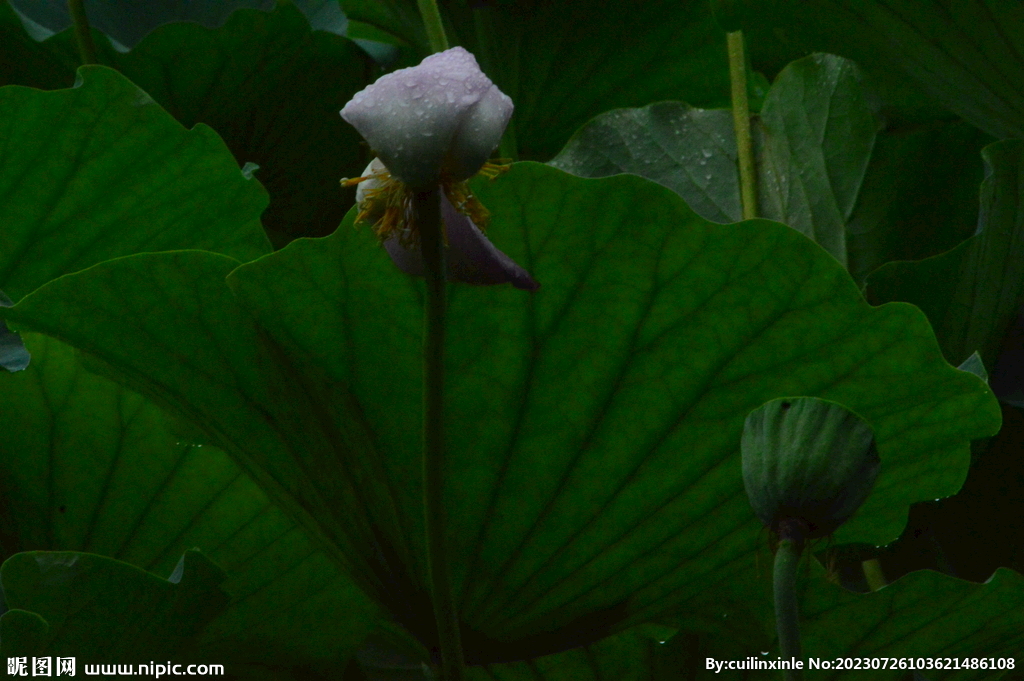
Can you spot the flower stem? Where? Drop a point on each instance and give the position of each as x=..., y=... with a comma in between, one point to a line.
x=83, y=36
x=432, y=22
x=427, y=214
x=741, y=123
x=787, y=615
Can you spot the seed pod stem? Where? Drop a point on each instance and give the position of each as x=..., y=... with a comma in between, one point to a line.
x=787, y=614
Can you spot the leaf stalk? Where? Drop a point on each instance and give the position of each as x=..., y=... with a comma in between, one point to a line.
x=741, y=123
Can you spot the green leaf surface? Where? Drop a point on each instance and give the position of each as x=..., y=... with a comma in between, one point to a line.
x=816, y=133
x=636, y=654
x=917, y=196
x=972, y=293
x=91, y=466
x=594, y=474
x=205, y=358
x=259, y=81
x=923, y=614
x=100, y=171
x=968, y=56
x=690, y=151
x=101, y=610
x=537, y=360
x=272, y=88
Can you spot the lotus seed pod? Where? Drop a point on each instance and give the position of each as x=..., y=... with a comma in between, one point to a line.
x=807, y=460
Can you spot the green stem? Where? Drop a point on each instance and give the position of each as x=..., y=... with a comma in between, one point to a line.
x=83, y=36
x=427, y=216
x=432, y=22
x=741, y=124
x=787, y=614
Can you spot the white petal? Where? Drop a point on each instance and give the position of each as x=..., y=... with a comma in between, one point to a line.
x=413, y=117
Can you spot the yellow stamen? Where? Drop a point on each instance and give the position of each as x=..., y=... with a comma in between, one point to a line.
x=492, y=169
x=464, y=201
x=353, y=181
x=388, y=204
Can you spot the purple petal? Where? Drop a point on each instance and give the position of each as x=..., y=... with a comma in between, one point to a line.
x=471, y=257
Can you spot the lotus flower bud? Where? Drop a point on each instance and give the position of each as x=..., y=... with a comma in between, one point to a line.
x=434, y=126
x=807, y=462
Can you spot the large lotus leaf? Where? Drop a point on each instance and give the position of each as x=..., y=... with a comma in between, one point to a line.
x=560, y=378
x=593, y=479
x=99, y=609
x=923, y=614
x=972, y=293
x=90, y=466
x=564, y=63
x=966, y=55
x=258, y=80
x=816, y=133
x=100, y=171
